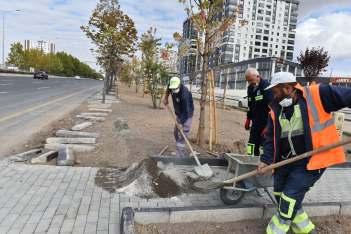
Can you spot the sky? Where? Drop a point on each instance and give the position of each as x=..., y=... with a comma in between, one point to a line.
x=321, y=23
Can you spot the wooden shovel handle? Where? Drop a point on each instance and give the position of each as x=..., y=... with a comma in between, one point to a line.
x=185, y=138
x=288, y=161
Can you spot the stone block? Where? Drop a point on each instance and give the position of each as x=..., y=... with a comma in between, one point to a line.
x=67, y=133
x=63, y=140
x=43, y=158
x=81, y=126
x=216, y=215
x=79, y=148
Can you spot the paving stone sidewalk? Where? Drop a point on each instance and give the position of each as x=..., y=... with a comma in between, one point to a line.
x=47, y=199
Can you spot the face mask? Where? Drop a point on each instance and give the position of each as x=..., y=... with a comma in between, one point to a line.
x=175, y=90
x=286, y=102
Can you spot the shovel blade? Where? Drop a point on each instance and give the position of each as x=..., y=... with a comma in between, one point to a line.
x=204, y=171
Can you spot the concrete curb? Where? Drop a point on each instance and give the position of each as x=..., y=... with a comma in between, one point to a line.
x=220, y=162
x=220, y=214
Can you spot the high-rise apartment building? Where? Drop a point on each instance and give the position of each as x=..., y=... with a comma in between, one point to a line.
x=45, y=46
x=269, y=32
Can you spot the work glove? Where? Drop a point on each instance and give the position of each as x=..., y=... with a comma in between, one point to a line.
x=247, y=124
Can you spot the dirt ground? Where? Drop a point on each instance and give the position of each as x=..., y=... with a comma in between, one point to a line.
x=324, y=225
x=150, y=130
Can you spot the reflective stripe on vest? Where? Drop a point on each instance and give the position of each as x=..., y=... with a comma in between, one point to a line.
x=317, y=125
x=323, y=130
x=292, y=127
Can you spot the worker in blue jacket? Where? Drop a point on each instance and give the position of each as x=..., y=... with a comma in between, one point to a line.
x=184, y=110
x=257, y=115
x=300, y=120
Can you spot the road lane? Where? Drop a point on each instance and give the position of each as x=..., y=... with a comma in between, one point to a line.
x=28, y=106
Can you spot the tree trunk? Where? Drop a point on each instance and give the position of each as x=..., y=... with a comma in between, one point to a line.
x=105, y=86
x=201, y=129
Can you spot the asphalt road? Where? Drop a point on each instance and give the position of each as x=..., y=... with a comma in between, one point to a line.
x=28, y=105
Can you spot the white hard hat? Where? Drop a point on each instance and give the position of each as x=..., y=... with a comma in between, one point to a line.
x=281, y=78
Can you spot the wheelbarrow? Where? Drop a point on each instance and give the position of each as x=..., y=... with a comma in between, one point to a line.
x=241, y=164
x=232, y=190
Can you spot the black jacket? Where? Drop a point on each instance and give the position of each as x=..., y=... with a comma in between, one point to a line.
x=183, y=104
x=258, y=100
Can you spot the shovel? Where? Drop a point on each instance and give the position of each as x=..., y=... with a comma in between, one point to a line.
x=202, y=170
x=210, y=185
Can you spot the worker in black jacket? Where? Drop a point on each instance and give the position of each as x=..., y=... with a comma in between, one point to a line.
x=184, y=110
x=257, y=115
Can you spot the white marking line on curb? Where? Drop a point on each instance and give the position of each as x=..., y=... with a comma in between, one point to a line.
x=3, y=92
x=40, y=106
x=43, y=88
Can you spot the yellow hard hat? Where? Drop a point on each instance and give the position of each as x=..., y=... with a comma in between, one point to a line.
x=174, y=82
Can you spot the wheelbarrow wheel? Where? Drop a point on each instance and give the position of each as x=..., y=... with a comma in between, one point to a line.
x=231, y=196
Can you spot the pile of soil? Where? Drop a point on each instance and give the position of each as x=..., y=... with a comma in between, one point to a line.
x=142, y=179
x=324, y=225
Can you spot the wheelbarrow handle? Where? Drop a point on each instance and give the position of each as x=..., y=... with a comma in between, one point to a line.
x=288, y=161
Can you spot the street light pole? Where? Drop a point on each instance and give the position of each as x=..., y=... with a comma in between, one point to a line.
x=3, y=40
x=3, y=36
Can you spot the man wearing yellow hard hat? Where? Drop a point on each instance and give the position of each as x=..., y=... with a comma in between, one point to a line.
x=184, y=110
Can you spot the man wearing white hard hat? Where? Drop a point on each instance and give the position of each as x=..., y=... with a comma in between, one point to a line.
x=184, y=109
x=300, y=120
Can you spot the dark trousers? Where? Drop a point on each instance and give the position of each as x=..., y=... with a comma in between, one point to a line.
x=255, y=140
x=291, y=183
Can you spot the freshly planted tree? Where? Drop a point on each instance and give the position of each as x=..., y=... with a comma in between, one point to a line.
x=155, y=75
x=114, y=35
x=313, y=62
x=210, y=22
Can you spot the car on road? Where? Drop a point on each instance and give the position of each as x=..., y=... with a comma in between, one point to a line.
x=41, y=75
x=243, y=102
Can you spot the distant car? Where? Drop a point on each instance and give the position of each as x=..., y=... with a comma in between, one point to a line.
x=41, y=75
x=242, y=102
x=77, y=77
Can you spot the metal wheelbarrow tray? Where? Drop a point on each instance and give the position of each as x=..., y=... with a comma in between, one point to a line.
x=240, y=164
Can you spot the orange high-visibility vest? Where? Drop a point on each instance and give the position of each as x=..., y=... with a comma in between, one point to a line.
x=323, y=130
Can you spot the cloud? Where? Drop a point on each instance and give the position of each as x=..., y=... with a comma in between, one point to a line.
x=167, y=16
x=322, y=23
x=327, y=31
x=309, y=8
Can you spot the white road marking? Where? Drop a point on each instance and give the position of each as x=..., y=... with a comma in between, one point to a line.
x=37, y=82
x=43, y=88
x=3, y=92
x=5, y=84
